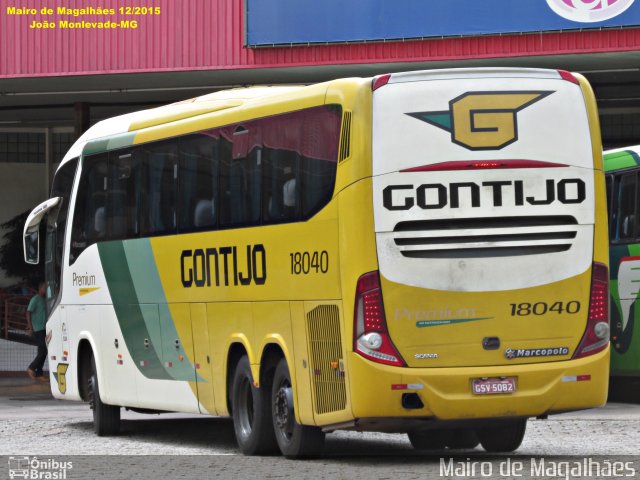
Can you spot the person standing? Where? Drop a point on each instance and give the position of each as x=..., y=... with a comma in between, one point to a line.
x=37, y=319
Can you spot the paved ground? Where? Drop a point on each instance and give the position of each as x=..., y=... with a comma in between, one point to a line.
x=32, y=423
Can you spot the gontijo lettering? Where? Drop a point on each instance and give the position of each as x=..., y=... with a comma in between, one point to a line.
x=227, y=265
x=438, y=195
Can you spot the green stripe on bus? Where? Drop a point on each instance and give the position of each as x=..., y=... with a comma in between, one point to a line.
x=149, y=291
x=133, y=322
x=111, y=143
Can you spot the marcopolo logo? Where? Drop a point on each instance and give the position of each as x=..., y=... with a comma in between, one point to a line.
x=482, y=120
x=589, y=11
x=511, y=353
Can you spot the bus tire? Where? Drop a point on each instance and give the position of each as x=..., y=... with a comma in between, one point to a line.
x=435, y=439
x=251, y=413
x=294, y=440
x=106, y=418
x=503, y=438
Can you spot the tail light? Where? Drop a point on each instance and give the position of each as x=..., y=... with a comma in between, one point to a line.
x=380, y=81
x=568, y=76
x=596, y=335
x=371, y=336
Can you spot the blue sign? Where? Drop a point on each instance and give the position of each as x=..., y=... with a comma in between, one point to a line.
x=285, y=22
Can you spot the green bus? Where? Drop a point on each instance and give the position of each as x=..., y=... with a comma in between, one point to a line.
x=622, y=168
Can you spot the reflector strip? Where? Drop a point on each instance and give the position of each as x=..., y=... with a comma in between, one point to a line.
x=576, y=378
x=407, y=386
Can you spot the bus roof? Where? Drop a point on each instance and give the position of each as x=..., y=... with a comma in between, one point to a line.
x=139, y=120
x=621, y=158
x=121, y=125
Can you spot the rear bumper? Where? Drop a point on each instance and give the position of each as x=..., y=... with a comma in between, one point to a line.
x=542, y=389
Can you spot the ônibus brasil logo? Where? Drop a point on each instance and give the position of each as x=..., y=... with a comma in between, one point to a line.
x=588, y=11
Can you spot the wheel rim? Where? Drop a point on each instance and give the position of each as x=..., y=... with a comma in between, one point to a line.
x=245, y=408
x=283, y=411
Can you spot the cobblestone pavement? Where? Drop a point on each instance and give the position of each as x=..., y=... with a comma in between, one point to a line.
x=34, y=424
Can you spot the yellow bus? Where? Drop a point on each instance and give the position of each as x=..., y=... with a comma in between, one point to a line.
x=420, y=252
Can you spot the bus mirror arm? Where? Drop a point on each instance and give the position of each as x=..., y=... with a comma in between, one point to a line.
x=31, y=234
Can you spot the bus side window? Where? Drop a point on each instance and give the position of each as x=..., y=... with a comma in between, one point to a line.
x=240, y=182
x=318, y=163
x=198, y=183
x=281, y=187
x=89, y=219
x=627, y=207
x=318, y=177
x=159, y=188
x=123, y=196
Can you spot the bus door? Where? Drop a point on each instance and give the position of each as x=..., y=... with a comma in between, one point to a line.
x=625, y=259
x=202, y=357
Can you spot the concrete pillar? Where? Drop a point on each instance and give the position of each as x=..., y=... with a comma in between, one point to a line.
x=81, y=120
x=48, y=152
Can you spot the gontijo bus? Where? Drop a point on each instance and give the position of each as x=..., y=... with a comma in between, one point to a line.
x=421, y=252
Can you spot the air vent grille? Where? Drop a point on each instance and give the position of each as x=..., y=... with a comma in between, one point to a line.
x=485, y=237
x=327, y=369
x=345, y=140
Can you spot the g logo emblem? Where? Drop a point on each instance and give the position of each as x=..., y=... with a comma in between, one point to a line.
x=483, y=120
x=61, y=377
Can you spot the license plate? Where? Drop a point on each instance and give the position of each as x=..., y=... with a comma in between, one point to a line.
x=491, y=386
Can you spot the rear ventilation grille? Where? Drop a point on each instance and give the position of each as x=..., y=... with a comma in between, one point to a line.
x=485, y=237
x=345, y=140
x=327, y=369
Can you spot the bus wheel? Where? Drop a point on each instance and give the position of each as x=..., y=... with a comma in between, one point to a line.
x=294, y=440
x=464, y=438
x=504, y=437
x=106, y=418
x=251, y=413
x=435, y=439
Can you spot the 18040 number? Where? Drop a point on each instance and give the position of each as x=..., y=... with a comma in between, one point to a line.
x=542, y=308
x=303, y=263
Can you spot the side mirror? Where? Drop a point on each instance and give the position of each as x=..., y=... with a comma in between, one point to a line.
x=31, y=237
x=32, y=247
